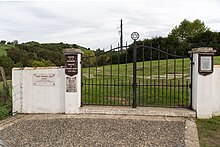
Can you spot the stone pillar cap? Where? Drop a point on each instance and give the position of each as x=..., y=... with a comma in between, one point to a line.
x=72, y=51
x=202, y=50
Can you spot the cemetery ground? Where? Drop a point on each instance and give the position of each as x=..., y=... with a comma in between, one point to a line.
x=208, y=129
x=163, y=83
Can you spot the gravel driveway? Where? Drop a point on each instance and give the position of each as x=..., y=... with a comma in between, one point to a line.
x=94, y=131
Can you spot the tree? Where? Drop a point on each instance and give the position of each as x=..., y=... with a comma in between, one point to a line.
x=103, y=60
x=42, y=63
x=188, y=29
x=75, y=46
x=2, y=42
x=7, y=63
x=15, y=42
x=206, y=39
x=18, y=55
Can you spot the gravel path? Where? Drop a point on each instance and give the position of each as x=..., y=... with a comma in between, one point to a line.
x=94, y=132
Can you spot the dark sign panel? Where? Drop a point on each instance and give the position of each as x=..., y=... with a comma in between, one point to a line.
x=71, y=65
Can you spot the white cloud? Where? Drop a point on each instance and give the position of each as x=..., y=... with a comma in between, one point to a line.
x=95, y=23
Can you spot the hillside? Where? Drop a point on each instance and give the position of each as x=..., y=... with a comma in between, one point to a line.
x=3, y=48
x=45, y=54
x=34, y=54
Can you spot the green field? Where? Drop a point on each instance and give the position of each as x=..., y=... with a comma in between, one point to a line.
x=159, y=83
x=3, y=49
x=209, y=131
x=217, y=60
x=143, y=69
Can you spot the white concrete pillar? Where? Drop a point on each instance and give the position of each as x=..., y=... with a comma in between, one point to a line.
x=72, y=80
x=202, y=85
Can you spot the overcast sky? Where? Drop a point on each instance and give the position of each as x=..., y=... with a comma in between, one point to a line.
x=95, y=23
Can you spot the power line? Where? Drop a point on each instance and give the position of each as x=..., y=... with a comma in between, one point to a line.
x=110, y=44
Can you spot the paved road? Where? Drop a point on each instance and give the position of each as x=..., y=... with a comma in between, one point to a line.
x=94, y=131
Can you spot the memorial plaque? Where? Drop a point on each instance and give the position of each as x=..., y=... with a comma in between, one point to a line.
x=205, y=64
x=43, y=79
x=71, y=65
x=71, y=84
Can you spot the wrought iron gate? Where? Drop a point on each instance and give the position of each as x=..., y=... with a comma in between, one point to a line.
x=136, y=75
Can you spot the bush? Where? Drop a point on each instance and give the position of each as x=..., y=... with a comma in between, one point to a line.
x=42, y=63
x=5, y=109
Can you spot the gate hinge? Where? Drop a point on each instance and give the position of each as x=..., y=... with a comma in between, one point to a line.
x=191, y=60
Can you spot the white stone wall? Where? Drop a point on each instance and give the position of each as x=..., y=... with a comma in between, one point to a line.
x=33, y=95
x=29, y=98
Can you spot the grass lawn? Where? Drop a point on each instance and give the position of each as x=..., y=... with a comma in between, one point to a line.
x=146, y=69
x=216, y=60
x=163, y=82
x=160, y=83
x=209, y=131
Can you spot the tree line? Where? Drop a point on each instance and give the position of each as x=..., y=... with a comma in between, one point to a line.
x=34, y=54
x=181, y=39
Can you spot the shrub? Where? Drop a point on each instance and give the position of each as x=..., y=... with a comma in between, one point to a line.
x=5, y=109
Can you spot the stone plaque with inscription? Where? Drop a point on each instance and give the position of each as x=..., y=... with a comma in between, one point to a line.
x=205, y=64
x=43, y=79
x=71, y=84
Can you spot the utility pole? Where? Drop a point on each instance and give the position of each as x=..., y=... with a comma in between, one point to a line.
x=121, y=35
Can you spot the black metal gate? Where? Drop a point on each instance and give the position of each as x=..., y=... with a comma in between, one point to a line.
x=136, y=75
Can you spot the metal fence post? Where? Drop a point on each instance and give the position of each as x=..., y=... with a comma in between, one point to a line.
x=134, y=36
x=134, y=85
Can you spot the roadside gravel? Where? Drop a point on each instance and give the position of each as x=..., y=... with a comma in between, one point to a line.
x=94, y=132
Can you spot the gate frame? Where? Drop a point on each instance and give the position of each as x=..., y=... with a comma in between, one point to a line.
x=184, y=85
